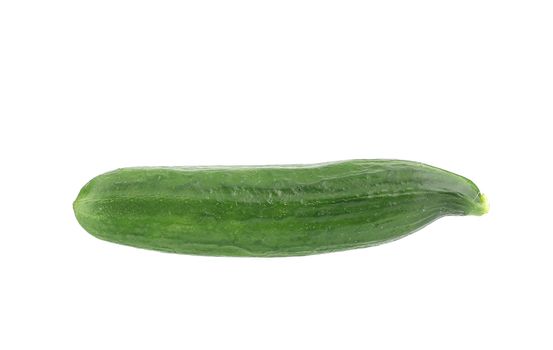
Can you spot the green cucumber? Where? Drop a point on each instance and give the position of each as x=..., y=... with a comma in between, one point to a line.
x=271, y=210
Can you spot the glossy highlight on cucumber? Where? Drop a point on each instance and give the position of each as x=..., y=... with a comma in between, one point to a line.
x=266, y=211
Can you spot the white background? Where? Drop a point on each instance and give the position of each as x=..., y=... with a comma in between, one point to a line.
x=87, y=87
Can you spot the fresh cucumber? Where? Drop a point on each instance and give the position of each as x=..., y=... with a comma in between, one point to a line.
x=271, y=210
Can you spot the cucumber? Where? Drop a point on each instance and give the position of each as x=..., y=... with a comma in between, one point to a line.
x=271, y=210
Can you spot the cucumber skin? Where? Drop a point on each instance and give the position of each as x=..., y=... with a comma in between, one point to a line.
x=271, y=210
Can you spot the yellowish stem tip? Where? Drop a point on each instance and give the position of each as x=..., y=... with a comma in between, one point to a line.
x=483, y=206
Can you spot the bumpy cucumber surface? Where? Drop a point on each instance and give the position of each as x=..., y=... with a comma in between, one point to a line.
x=271, y=210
